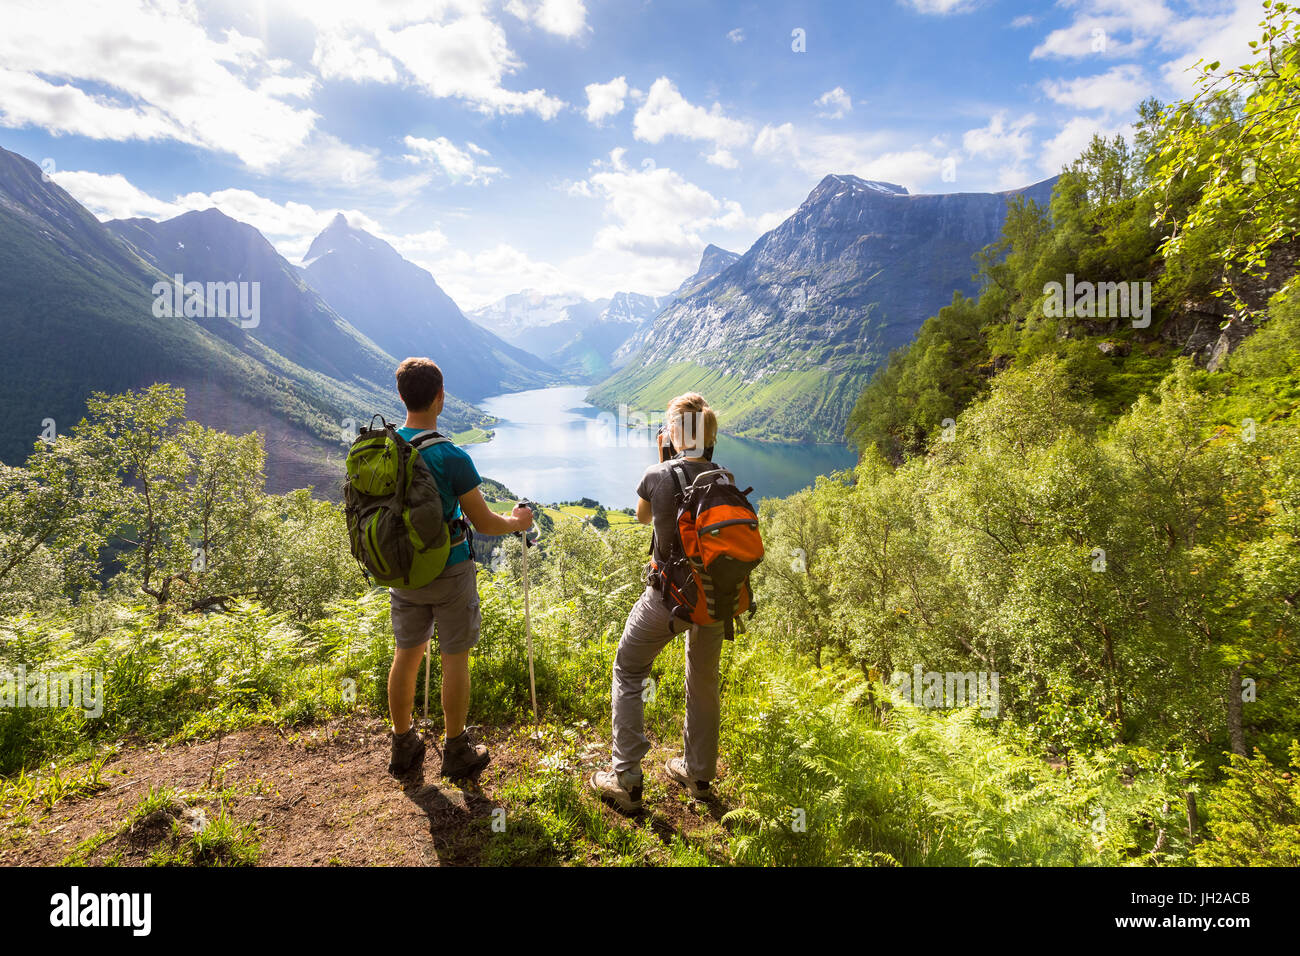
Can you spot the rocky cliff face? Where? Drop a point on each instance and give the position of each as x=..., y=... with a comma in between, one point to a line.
x=786, y=335
x=713, y=260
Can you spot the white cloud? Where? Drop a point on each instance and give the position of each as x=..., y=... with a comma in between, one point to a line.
x=466, y=59
x=115, y=197
x=228, y=97
x=566, y=18
x=1117, y=90
x=722, y=158
x=457, y=163
x=606, y=99
x=1074, y=137
x=340, y=57
x=1123, y=29
x=834, y=103
x=1093, y=36
x=480, y=278
x=869, y=156
x=667, y=113
x=289, y=226
x=1026, y=20
x=656, y=212
x=1001, y=139
x=736, y=36
x=942, y=7
x=1225, y=37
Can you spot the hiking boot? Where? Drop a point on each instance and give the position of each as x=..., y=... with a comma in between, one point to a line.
x=676, y=767
x=623, y=790
x=408, y=752
x=462, y=760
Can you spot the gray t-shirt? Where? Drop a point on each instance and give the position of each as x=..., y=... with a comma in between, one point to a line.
x=660, y=489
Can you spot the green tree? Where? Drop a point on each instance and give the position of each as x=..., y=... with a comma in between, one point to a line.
x=1236, y=137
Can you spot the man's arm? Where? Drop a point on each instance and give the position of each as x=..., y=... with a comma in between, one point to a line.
x=644, y=514
x=486, y=521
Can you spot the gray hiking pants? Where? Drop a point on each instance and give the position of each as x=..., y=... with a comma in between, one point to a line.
x=645, y=635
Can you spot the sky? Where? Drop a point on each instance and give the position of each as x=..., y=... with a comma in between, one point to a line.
x=572, y=146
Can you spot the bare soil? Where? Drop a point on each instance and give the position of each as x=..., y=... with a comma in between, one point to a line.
x=320, y=795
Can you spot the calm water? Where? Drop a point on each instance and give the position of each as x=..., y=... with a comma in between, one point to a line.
x=550, y=445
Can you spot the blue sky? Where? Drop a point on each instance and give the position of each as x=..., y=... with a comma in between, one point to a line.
x=584, y=146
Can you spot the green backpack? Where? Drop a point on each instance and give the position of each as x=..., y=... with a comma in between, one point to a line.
x=393, y=508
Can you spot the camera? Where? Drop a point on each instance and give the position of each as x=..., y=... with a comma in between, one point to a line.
x=666, y=450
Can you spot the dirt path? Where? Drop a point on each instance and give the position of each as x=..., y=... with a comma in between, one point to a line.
x=320, y=796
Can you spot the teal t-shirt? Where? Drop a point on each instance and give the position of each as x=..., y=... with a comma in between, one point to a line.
x=455, y=474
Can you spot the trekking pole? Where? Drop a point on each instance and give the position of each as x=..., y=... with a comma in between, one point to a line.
x=428, y=654
x=528, y=626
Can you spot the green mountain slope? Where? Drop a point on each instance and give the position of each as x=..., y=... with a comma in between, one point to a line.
x=76, y=316
x=810, y=311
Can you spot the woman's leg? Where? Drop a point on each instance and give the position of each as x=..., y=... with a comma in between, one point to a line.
x=646, y=633
x=703, y=701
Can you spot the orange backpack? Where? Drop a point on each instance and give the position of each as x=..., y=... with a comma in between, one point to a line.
x=705, y=579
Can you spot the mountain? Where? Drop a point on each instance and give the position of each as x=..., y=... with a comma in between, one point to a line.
x=401, y=307
x=579, y=336
x=77, y=315
x=209, y=246
x=782, y=339
x=712, y=261
x=535, y=322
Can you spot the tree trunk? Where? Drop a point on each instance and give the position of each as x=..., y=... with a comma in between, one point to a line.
x=1236, y=733
x=1193, y=820
x=1119, y=693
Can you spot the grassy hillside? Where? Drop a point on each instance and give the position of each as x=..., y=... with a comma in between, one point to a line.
x=779, y=407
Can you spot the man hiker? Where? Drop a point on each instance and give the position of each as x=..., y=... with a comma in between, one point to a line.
x=693, y=428
x=449, y=605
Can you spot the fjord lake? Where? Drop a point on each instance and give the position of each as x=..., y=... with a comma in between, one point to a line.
x=551, y=445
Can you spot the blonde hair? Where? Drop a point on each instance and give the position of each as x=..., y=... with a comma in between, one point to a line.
x=689, y=417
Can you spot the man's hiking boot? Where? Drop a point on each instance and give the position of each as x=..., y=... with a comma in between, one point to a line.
x=462, y=760
x=623, y=790
x=676, y=767
x=408, y=752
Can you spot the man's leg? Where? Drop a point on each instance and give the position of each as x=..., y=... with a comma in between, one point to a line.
x=412, y=629
x=408, y=746
x=455, y=692
x=703, y=701
x=645, y=635
x=458, y=617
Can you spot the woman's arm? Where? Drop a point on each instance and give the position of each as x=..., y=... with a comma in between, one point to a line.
x=486, y=521
x=644, y=513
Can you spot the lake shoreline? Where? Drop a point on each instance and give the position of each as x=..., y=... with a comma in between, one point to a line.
x=550, y=444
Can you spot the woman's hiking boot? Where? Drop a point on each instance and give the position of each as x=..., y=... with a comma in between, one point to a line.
x=408, y=752
x=462, y=760
x=676, y=767
x=623, y=790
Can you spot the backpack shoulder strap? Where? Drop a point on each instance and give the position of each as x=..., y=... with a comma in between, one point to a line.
x=679, y=476
x=428, y=437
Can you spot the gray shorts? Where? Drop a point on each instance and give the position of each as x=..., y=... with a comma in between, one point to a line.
x=450, y=602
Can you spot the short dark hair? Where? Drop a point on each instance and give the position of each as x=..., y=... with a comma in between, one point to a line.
x=419, y=383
